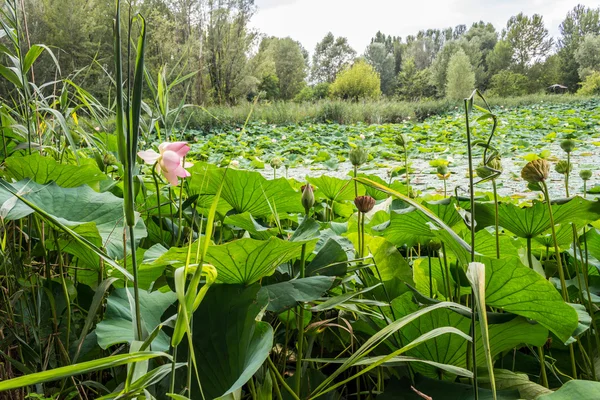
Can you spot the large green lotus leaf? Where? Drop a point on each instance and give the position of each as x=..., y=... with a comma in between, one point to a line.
x=451, y=349
x=532, y=221
x=508, y=380
x=45, y=170
x=285, y=295
x=245, y=261
x=334, y=188
x=593, y=241
x=438, y=389
x=515, y=288
x=73, y=207
x=390, y=263
x=577, y=389
x=87, y=261
x=230, y=345
x=485, y=244
x=246, y=191
x=409, y=226
x=331, y=257
x=117, y=326
x=249, y=224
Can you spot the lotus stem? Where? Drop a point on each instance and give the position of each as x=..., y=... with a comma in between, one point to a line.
x=157, y=187
x=496, y=218
x=567, y=173
x=473, y=346
x=406, y=170
x=299, y=354
x=561, y=272
x=136, y=289
x=543, y=375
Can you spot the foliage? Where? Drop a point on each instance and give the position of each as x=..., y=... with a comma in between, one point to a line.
x=227, y=284
x=588, y=55
x=360, y=81
x=331, y=56
x=460, y=79
x=508, y=84
x=528, y=38
x=384, y=63
x=591, y=85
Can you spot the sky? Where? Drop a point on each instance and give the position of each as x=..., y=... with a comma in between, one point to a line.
x=308, y=21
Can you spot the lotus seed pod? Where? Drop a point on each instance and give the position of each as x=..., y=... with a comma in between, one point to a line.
x=536, y=171
x=568, y=145
x=358, y=156
x=364, y=203
x=563, y=167
x=308, y=197
x=585, y=174
x=276, y=162
x=434, y=246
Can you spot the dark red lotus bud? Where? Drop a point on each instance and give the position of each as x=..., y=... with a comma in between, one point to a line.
x=364, y=203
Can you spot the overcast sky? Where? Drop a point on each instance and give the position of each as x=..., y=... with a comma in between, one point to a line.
x=309, y=20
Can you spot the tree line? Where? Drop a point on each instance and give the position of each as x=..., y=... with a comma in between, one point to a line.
x=225, y=61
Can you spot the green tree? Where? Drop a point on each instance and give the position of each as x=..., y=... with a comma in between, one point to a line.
x=588, y=55
x=439, y=68
x=290, y=67
x=331, y=56
x=414, y=84
x=270, y=86
x=579, y=22
x=357, y=82
x=528, y=38
x=226, y=43
x=501, y=58
x=460, y=79
x=378, y=55
x=507, y=83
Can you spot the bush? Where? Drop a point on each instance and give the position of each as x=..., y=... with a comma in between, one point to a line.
x=508, y=83
x=591, y=85
x=357, y=82
x=216, y=118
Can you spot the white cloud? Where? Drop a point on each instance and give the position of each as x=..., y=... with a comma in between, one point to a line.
x=309, y=20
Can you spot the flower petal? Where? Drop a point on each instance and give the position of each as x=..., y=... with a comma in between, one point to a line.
x=181, y=148
x=170, y=161
x=149, y=156
x=171, y=176
x=182, y=172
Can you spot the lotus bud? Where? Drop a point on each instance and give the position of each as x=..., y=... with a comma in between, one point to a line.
x=442, y=172
x=276, y=162
x=492, y=165
x=308, y=197
x=536, y=171
x=364, y=203
x=568, y=145
x=109, y=159
x=563, y=167
x=585, y=174
x=358, y=156
x=401, y=140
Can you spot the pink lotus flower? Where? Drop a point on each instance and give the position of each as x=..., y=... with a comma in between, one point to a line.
x=169, y=161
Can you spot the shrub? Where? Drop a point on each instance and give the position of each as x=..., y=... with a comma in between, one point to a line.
x=508, y=83
x=357, y=82
x=591, y=85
